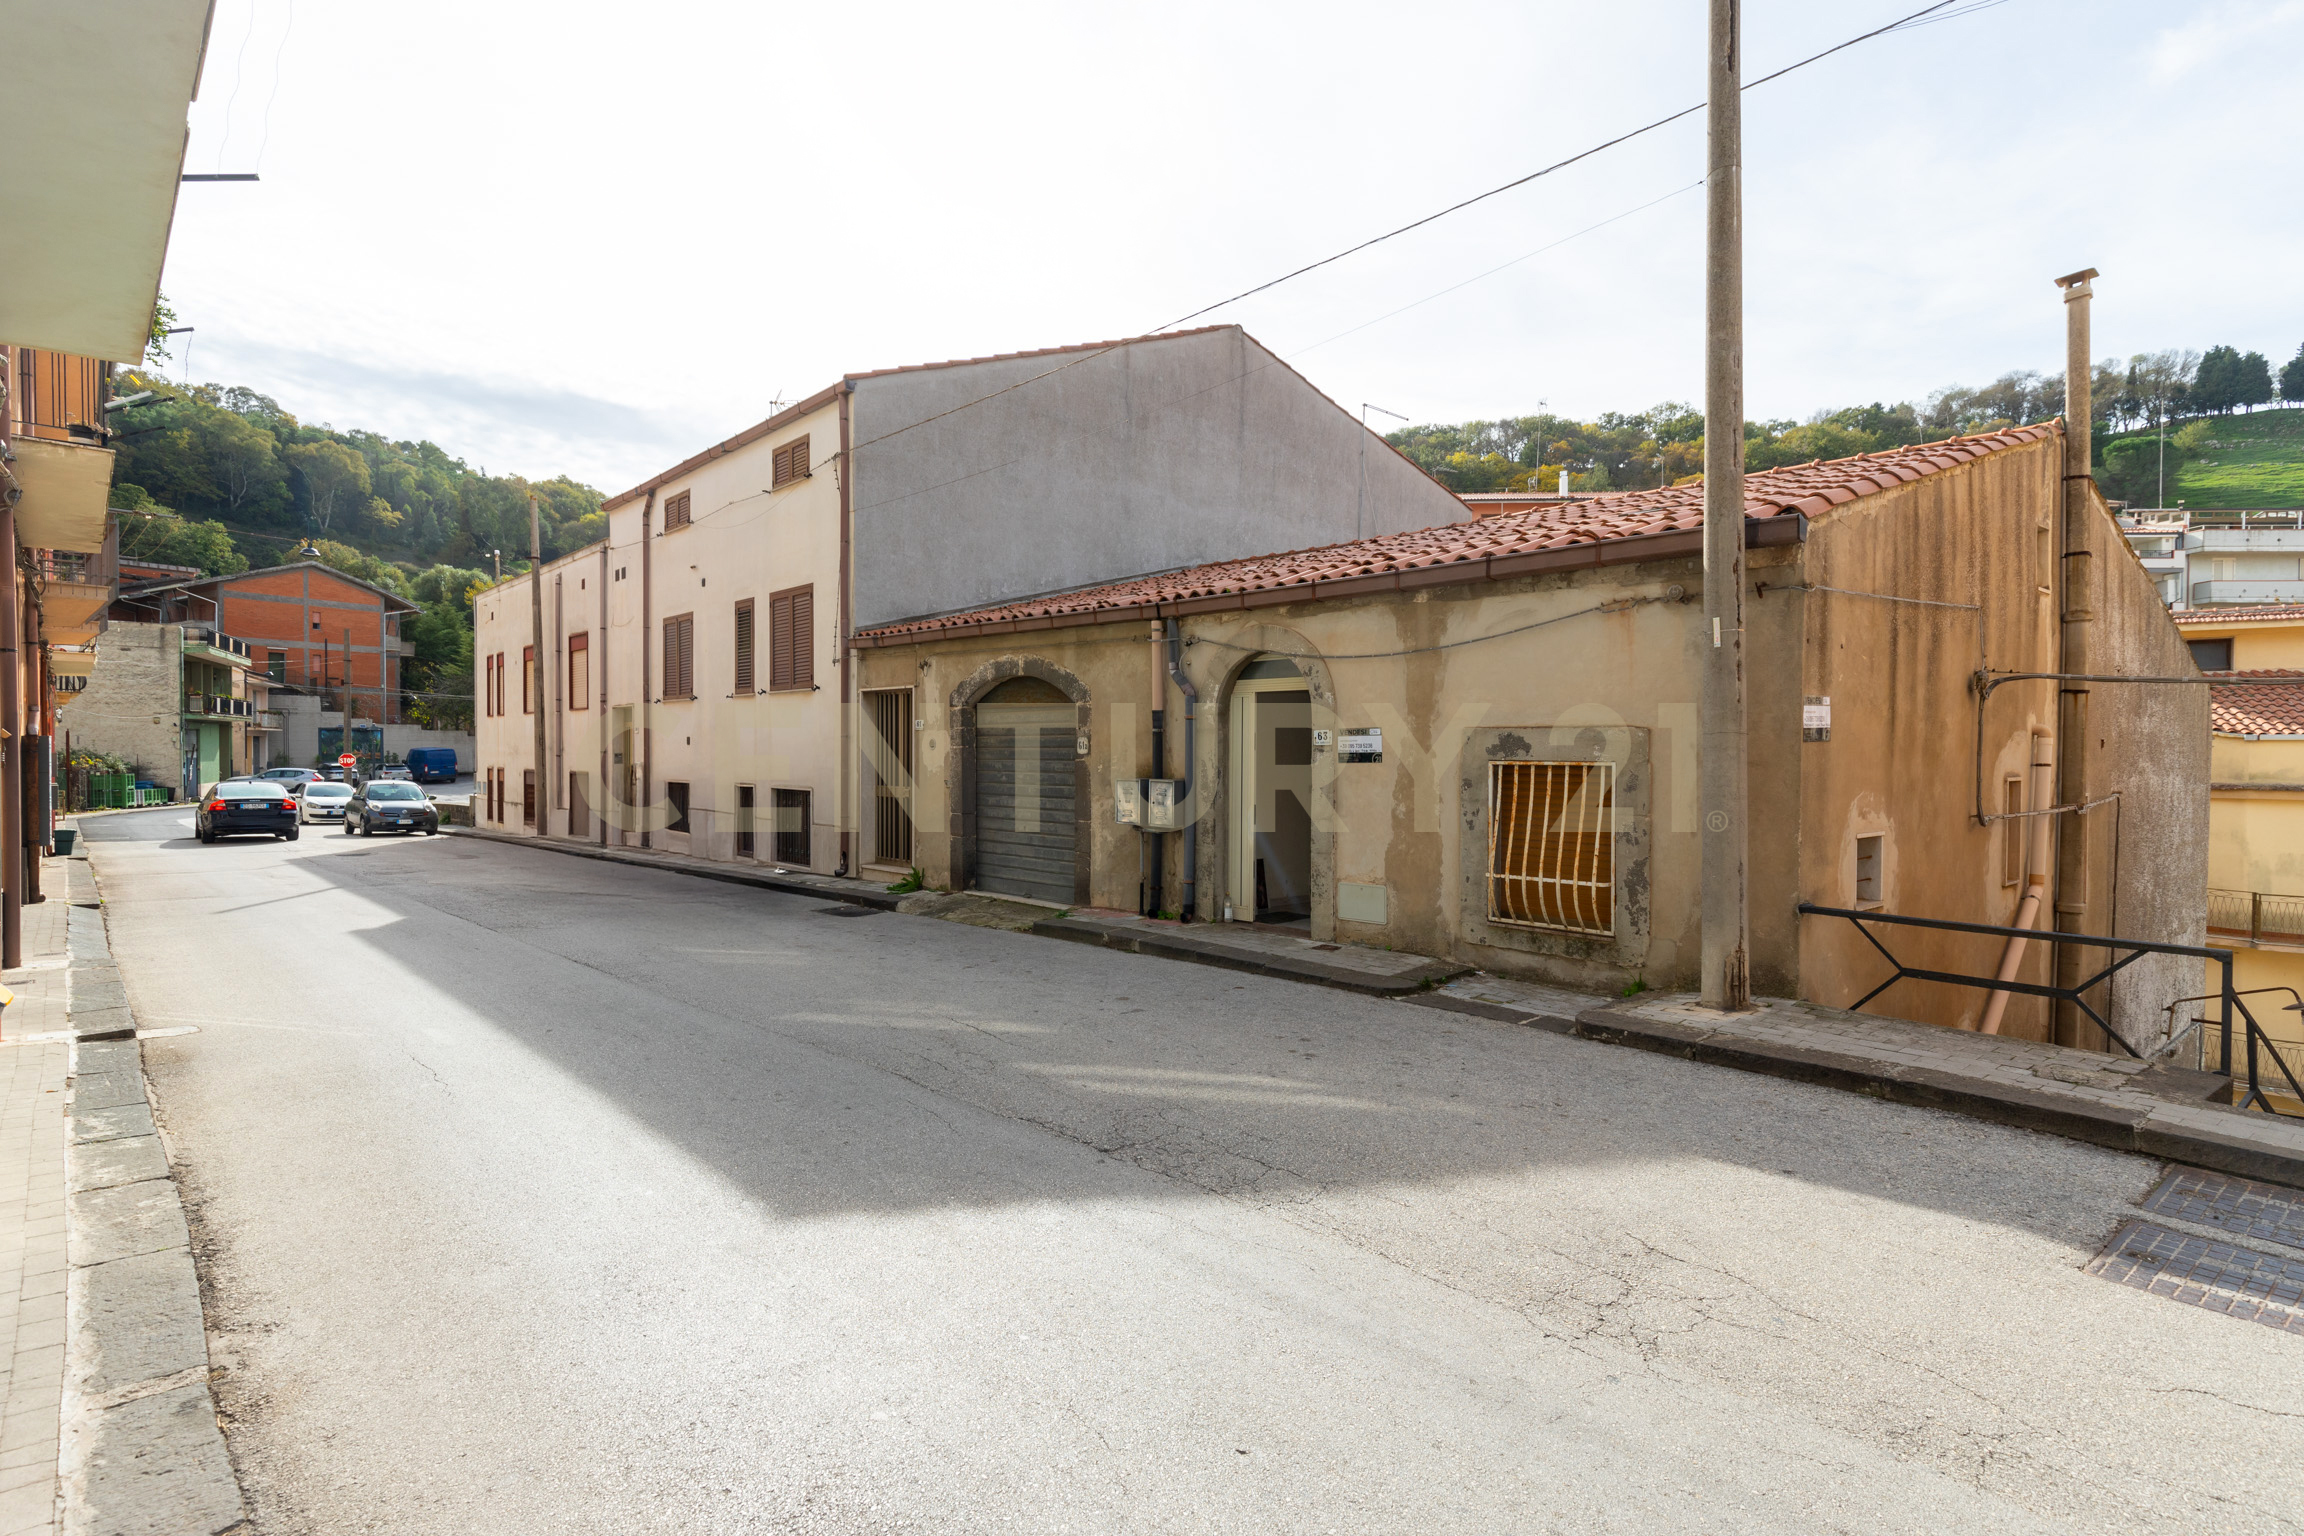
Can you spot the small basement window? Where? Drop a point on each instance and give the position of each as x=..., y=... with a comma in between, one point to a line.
x=677, y=793
x=1868, y=882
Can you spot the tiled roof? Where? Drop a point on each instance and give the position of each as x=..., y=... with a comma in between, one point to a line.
x=2266, y=613
x=2268, y=708
x=1512, y=543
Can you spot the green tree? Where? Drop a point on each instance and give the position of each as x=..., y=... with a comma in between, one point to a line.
x=2216, y=387
x=2292, y=379
x=2252, y=381
x=161, y=536
x=243, y=462
x=335, y=479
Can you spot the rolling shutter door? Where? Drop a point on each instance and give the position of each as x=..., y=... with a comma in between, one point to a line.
x=1024, y=799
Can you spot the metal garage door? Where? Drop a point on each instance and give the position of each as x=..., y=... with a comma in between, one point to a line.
x=1024, y=796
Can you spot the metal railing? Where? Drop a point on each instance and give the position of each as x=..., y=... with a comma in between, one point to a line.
x=216, y=704
x=2258, y=1048
x=215, y=639
x=2256, y=917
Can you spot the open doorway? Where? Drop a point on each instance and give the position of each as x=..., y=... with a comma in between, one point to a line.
x=1271, y=865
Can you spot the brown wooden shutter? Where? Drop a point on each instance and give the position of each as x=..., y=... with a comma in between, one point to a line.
x=789, y=463
x=671, y=689
x=744, y=678
x=804, y=638
x=780, y=641
x=527, y=679
x=676, y=511
x=688, y=656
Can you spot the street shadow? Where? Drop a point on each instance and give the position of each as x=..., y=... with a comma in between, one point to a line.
x=892, y=1063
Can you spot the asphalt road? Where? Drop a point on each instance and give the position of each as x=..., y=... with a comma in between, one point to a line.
x=538, y=1194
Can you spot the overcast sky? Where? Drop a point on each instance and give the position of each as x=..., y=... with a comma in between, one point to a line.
x=592, y=238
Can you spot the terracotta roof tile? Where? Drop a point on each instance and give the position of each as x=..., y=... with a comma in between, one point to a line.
x=2260, y=709
x=2264, y=613
x=1617, y=516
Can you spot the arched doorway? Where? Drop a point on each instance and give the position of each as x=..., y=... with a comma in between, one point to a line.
x=1271, y=793
x=1026, y=731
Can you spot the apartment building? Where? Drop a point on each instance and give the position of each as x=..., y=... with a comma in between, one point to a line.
x=2239, y=559
x=698, y=687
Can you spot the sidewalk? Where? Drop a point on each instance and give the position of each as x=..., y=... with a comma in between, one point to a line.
x=2131, y=1106
x=35, y=1057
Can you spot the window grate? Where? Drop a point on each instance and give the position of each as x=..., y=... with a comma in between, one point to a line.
x=1552, y=845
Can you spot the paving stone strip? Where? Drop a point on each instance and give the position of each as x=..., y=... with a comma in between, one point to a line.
x=141, y=1451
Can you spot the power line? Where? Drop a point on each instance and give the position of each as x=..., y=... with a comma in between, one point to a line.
x=1458, y=207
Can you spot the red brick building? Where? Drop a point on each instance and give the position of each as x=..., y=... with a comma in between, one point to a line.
x=307, y=625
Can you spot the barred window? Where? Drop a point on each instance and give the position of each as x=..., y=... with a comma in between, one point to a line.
x=1552, y=845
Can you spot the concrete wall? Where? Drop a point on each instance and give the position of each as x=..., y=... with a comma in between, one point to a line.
x=1160, y=454
x=304, y=719
x=132, y=706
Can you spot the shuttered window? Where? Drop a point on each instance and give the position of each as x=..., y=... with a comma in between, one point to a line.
x=1552, y=845
x=792, y=639
x=527, y=679
x=789, y=463
x=580, y=670
x=528, y=796
x=675, y=511
x=680, y=656
x=744, y=679
x=488, y=686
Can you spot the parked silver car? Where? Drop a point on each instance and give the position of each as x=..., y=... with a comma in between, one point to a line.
x=324, y=801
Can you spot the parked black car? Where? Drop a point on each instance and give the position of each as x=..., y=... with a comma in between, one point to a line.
x=391, y=805
x=246, y=805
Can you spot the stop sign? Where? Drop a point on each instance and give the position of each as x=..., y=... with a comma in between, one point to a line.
x=346, y=761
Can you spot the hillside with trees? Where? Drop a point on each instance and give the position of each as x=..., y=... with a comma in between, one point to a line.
x=2203, y=403
x=223, y=479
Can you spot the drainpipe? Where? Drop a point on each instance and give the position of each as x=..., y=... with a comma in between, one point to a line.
x=647, y=712
x=559, y=692
x=604, y=795
x=1184, y=796
x=851, y=766
x=533, y=687
x=12, y=860
x=2042, y=796
x=2075, y=651
x=1156, y=883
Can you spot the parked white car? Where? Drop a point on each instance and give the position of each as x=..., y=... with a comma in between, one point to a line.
x=324, y=801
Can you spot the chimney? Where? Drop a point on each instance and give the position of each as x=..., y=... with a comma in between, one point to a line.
x=2077, y=581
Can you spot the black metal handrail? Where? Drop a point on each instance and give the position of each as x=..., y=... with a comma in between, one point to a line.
x=2133, y=950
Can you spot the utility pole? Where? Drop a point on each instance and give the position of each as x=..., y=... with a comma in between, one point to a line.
x=534, y=685
x=347, y=696
x=1726, y=960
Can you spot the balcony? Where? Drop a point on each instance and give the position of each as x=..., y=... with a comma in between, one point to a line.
x=268, y=720
x=2254, y=539
x=2207, y=594
x=2255, y=919
x=207, y=704
x=207, y=643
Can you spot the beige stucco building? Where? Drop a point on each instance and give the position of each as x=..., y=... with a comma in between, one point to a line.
x=698, y=689
x=1480, y=741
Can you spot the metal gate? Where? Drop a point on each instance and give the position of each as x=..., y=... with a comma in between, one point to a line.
x=1025, y=799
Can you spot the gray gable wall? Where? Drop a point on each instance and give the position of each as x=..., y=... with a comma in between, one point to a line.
x=1162, y=453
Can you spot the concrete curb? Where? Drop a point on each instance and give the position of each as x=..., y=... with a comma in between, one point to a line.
x=1181, y=946
x=142, y=1449
x=2121, y=1128
x=854, y=892
x=1170, y=946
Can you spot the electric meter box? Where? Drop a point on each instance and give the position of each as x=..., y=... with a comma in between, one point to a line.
x=1152, y=804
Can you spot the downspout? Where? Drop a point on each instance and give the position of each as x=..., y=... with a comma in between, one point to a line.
x=1184, y=795
x=2074, y=652
x=850, y=769
x=647, y=712
x=2042, y=793
x=12, y=859
x=559, y=691
x=1156, y=877
x=605, y=795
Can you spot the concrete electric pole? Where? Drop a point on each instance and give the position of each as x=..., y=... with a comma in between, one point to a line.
x=2075, y=658
x=533, y=684
x=1727, y=979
